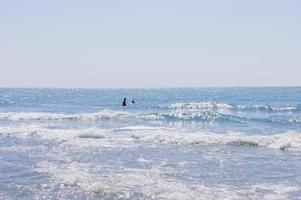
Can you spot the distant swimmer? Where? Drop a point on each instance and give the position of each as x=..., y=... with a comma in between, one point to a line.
x=133, y=101
x=124, y=102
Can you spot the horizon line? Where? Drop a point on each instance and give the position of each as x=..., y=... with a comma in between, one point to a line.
x=163, y=87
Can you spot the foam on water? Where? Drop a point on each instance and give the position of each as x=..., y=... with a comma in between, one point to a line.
x=126, y=183
x=284, y=141
x=226, y=106
x=197, y=105
x=105, y=115
x=207, y=143
x=176, y=115
x=129, y=136
x=109, y=115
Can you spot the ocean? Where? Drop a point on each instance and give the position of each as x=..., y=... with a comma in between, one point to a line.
x=173, y=143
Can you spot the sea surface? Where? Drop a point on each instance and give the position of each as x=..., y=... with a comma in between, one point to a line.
x=177, y=143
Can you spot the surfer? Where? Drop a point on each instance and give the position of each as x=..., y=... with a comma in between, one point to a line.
x=133, y=101
x=124, y=102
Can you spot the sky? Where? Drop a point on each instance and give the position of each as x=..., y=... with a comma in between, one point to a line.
x=157, y=43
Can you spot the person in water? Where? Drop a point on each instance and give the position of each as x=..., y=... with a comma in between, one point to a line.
x=124, y=102
x=133, y=101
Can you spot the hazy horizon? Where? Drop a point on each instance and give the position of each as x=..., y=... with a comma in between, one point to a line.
x=156, y=44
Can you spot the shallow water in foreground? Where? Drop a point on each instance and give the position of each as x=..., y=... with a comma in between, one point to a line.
x=207, y=143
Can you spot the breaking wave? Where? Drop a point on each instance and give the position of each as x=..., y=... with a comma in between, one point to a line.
x=109, y=115
x=110, y=182
x=141, y=135
x=225, y=106
x=179, y=115
x=284, y=141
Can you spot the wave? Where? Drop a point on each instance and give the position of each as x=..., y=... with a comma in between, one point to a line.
x=115, y=182
x=197, y=105
x=143, y=135
x=205, y=116
x=225, y=106
x=108, y=115
x=284, y=141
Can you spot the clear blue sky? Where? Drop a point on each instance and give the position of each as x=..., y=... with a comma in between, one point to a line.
x=156, y=43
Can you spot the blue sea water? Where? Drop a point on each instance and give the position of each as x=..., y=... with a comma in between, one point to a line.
x=177, y=143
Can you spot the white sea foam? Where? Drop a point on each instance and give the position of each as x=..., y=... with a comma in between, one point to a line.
x=198, y=105
x=266, y=107
x=174, y=115
x=133, y=136
x=226, y=106
x=137, y=128
x=126, y=183
x=284, y=141
x=24, y=131
x=104, y=115
x=82, y=137
x=107, y=115
x=118, y=181
x=277, y=191
x=129, y=183
x=278, y=108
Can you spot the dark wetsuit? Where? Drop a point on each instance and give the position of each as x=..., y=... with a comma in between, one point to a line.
x=124, y=102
